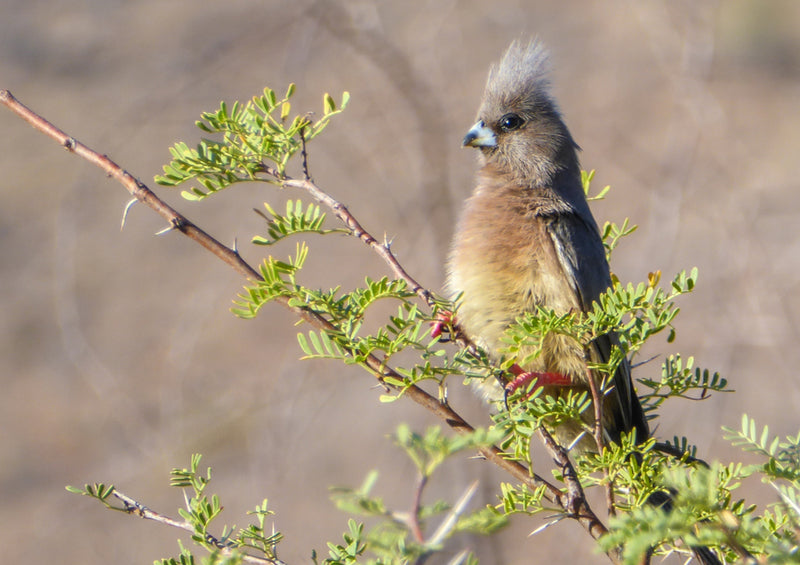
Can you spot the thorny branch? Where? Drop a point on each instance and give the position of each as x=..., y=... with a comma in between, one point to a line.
x=597, y=403
x=384, y=251
x=132, y=506
x=341, y=212
x=573, y=501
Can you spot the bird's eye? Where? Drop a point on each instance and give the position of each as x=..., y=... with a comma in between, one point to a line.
x=510, y=122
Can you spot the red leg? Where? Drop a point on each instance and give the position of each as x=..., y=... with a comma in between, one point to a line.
x=522, y=378
x=443, y=320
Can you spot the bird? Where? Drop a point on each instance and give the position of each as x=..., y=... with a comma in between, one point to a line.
x=527, y=239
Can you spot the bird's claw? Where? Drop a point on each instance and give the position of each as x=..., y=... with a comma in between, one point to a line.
x=444, y=321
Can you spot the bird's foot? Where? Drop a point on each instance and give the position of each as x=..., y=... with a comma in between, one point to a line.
x=444, y=321
x=523, y=377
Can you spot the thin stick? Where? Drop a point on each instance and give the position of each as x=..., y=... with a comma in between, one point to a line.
x=416, y=505
x=132, y=506
x=341, y=211
x=597, y=403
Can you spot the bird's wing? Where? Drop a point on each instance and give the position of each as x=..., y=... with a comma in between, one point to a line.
x=582, y=257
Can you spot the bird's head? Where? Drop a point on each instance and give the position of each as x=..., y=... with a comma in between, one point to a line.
x=519, y=128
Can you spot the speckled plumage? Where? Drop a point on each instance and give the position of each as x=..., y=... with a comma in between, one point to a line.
x=527, y=236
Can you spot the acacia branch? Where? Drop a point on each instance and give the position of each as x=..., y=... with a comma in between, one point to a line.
x=133, y=507
x=575, y=505
x=413, y=516
x=574, y=500
x=597, y=403
x=358, y=231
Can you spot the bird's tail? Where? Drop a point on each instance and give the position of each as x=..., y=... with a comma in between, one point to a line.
x=704, y=555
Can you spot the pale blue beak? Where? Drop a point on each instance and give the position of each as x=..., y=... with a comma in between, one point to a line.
x=480, y=136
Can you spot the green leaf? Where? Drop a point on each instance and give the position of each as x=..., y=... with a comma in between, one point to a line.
x=243, y=138
x=328, y=103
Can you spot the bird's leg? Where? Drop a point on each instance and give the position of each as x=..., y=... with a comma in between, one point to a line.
x=444, y=320
x=523, y=377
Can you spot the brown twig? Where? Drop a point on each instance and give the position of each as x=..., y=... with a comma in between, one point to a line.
x=132, y=506
x=573, y=501
x=304, y=154
x=597, y=402
x=413, y=516
x=350, y=221
x=138, y=189
x=581, y=511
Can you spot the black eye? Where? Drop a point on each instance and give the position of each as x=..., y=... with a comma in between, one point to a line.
x=510, y=122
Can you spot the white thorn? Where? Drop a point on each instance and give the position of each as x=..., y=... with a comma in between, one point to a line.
x=127, y=209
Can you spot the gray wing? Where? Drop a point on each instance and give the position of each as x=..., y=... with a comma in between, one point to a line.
x=582, y=256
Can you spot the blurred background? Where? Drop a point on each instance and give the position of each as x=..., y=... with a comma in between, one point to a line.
x=119, y=356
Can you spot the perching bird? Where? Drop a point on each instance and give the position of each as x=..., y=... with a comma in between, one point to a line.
x=527, y=238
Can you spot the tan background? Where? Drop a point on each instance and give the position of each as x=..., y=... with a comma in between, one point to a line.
x=119, y=358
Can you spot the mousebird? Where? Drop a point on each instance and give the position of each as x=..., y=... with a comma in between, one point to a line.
x=527, y=239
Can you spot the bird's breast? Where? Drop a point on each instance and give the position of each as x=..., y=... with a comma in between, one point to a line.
x=504, y=263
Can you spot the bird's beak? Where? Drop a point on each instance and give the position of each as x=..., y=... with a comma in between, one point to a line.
x=480, y=136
